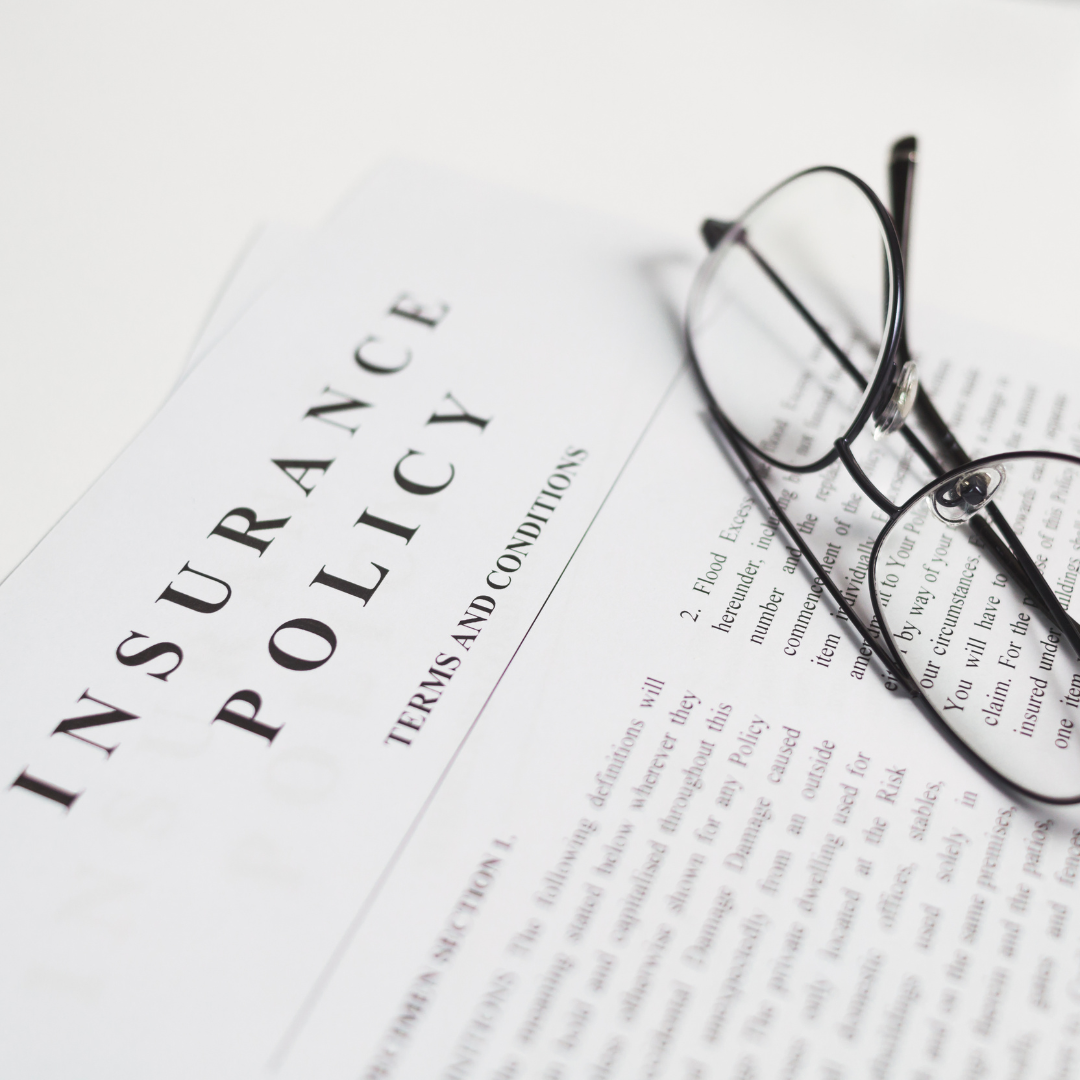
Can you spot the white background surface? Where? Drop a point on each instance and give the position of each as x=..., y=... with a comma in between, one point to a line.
x=144, y=142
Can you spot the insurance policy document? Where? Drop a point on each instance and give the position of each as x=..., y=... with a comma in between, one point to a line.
x=424, y=695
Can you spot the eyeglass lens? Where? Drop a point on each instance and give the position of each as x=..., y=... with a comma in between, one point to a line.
x=786, y=318
x=993, y=666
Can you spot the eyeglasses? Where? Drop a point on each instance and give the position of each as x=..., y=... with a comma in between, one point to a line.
x=797, y=340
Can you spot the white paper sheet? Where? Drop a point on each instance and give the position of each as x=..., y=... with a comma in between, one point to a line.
x=266, y=254
x=621, y=842
x=234, y=860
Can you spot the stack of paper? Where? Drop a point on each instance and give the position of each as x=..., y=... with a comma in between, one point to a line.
x=377, y=714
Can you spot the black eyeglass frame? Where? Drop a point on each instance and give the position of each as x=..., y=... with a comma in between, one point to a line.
x=892, y=358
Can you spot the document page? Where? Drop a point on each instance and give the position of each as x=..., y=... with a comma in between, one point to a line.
x=700, y=833
x=235, y=671
x=426, y=694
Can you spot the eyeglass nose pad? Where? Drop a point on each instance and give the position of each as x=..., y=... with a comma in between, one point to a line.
x=963, y=497
x=896, y=410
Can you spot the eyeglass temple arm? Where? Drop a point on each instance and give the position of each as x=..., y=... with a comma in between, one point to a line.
x=1012, y=553
x=902, y=160
x=901, y=186
x=820, y=332
x=1043, y=596
x=881, y=651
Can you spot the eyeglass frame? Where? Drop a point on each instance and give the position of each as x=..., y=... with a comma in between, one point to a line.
x=892, y=360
